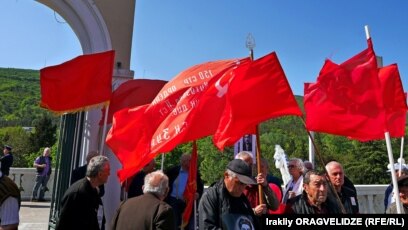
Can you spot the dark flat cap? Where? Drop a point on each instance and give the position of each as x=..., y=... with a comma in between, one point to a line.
x=8, y=147
x=242, y=170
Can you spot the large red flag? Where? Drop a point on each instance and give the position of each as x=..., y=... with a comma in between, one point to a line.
x=350, y=99
x=132, y=93
x=260, y=93
x=191, y=187
x=187, y=108
x=83, y=82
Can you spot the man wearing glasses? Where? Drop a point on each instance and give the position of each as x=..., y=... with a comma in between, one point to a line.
x=224, y=205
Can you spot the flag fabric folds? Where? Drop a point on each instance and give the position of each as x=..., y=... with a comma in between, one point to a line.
x=260, y=93
x=187, y=108
x=191, y=187
x=356, y=99
x=132, y=93
x=78, y=84
x=226, y=99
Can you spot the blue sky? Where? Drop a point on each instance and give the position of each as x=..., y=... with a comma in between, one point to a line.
x=170, y=36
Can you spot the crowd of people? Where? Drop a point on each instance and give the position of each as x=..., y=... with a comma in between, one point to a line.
x=237, y=201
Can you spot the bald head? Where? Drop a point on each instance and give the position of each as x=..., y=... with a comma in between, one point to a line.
x=245, y=156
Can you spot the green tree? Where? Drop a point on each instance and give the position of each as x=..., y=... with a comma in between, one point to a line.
x=18, y=138
x=44, y=134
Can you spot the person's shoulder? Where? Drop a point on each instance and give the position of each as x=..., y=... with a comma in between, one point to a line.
x=348, y=191
x=392, y=209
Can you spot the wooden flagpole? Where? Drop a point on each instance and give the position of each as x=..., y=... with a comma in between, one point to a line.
x=250, y=44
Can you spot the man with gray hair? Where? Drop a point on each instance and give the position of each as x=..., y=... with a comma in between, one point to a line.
x=81, y=203
x=224, y=206
x=152, y=211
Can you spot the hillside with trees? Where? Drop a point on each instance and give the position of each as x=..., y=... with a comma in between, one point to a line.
x=365, y=163
x=23, y=124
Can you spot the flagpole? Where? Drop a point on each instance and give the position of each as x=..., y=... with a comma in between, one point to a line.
x=250, y=44
x=389, y=151
x=401, y=154
x=393, y=175
x=342, y=209
x=162, y=162
x=311, y=149
x=105, y=121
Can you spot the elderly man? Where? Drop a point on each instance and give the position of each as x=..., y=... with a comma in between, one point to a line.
x=348, y=197
x=44, y=168
x=81, y=202
x=224, y=206
x=80, y=172
x=252, y=191
x=403, y=195
x=313, y=199
x=152, y=211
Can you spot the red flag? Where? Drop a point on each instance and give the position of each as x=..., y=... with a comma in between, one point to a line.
x=187, y=108
x=83, y=82
x=132, y=93
x=260, y=93
x=349, y=99
x=394, y=99
x=191, y=187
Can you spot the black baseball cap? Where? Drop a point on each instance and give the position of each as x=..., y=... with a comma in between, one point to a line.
x=242, y=169
x=9, y=148
x=403, y=181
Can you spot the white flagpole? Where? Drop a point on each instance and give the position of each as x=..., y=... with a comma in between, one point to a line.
x=162, y=162
x=311, y=149
x=104, y=130
x=401, y=155
x=393, y=175
x=390, y=156
x=195, y=213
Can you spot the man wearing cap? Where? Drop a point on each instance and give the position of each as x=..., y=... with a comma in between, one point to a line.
x=224, y=205
x=6, y=160
x=403, y=195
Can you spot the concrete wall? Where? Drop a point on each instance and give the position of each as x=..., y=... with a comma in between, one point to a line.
x=25, y=179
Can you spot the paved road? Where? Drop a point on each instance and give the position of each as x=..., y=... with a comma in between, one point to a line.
x=34, y=215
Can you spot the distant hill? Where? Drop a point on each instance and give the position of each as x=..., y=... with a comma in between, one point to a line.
x=19, y=97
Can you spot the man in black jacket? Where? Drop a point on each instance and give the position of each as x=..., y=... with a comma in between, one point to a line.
x=347, y=195
x=224, y=206
x=80, y=172
x=313, y=199
x=81, y=203
x=6, y=160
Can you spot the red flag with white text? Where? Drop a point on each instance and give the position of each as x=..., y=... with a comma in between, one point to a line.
x=187, y=108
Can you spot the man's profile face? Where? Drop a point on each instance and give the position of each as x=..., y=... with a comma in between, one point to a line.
x=234, y=186
x=316, y=189
x=103, y=176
